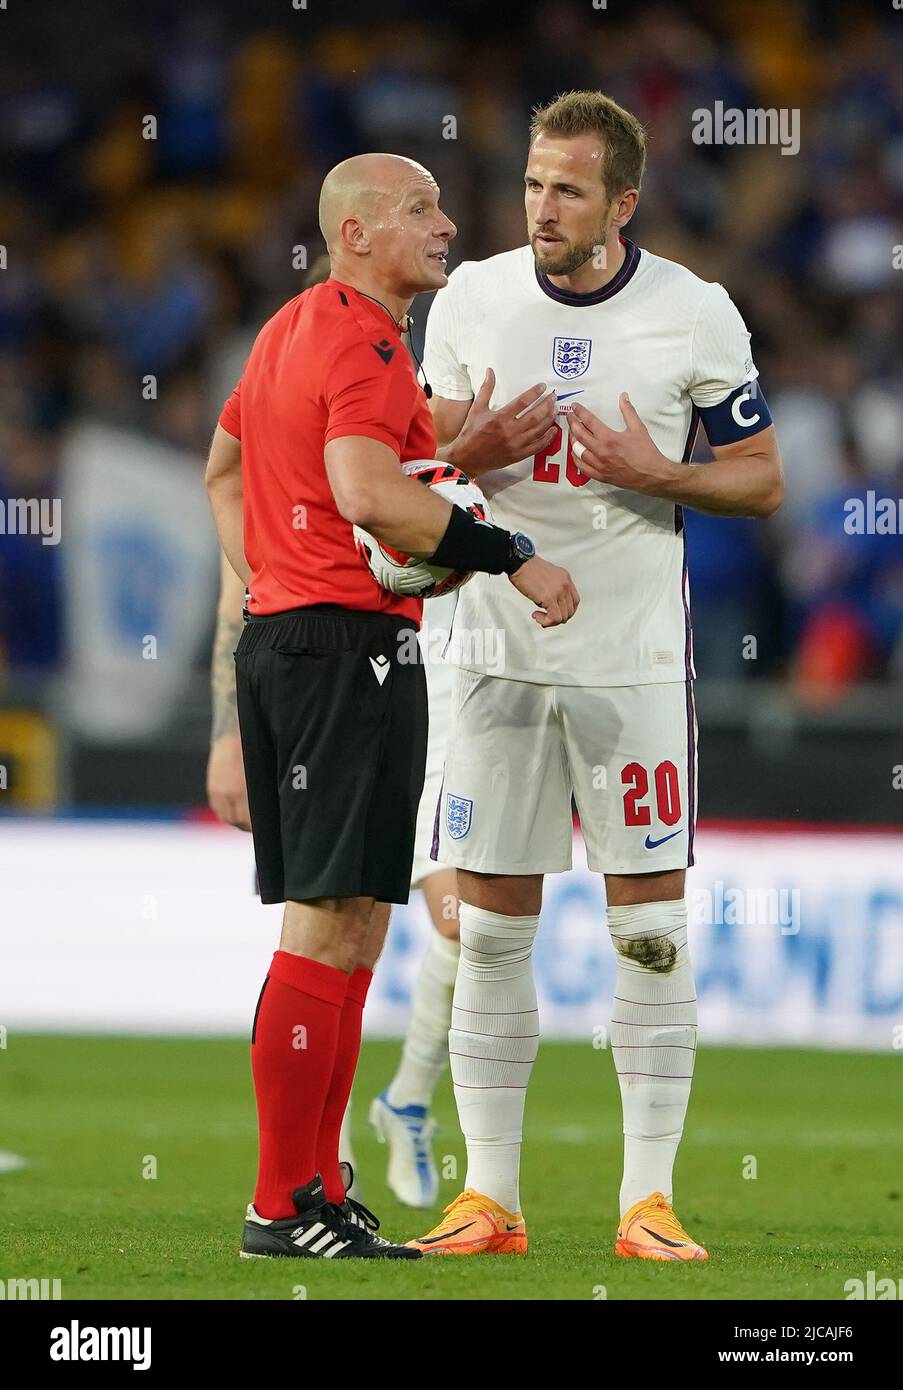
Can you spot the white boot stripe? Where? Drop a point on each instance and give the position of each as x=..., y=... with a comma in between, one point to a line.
x=309, y=1234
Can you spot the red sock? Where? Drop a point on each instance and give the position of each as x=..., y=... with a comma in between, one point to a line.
x=347, y=1052
x=293, y=1051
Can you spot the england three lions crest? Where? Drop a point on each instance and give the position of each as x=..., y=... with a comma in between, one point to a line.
x=570, y=356
x=458, y=812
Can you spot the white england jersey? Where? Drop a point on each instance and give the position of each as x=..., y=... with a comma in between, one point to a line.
x=677, y=345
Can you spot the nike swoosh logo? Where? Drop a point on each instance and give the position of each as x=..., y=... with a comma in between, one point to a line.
x=654, y=844
x=446, y=1235
x=563, y=395
x=515, y=1227
x=675, y=1244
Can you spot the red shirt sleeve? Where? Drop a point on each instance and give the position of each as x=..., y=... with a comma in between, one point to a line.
x=230, y=415
x=368, y=396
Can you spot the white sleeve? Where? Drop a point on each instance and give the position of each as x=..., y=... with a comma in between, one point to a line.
x=720, y=354
x=442, y=365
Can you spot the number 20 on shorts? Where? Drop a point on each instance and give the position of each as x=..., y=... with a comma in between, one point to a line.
x=667, y=794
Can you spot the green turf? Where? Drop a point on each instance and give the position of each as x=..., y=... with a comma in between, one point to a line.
x=826, y=1131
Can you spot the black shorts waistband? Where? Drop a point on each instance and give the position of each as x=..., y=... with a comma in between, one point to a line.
x=328, y=610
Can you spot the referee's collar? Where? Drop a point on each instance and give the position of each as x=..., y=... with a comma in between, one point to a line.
x=624, y=274
x=364, y=301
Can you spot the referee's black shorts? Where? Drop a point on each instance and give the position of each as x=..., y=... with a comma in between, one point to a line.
x=332, y=708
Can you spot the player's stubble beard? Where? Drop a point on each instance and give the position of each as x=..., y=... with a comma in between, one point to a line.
x=575, y=256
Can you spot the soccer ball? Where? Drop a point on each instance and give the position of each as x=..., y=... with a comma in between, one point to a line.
x=404, y=574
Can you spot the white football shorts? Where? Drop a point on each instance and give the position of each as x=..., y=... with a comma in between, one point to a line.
x=517, y=752
x=440, y=680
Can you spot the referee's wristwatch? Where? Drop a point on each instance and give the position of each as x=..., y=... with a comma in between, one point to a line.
x=520, y=549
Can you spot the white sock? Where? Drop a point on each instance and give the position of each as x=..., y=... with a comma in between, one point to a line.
x=653, y=1040
x=425, y=1050
x=493, y=1043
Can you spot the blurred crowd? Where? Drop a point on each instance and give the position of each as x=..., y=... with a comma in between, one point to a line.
x=142, y=255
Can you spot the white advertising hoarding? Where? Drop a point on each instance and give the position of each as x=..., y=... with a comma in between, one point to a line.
x=154, y=927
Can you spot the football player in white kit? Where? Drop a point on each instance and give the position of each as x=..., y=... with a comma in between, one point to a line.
x=633, y=351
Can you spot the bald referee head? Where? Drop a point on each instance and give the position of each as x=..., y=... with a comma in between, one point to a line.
x=381, y=221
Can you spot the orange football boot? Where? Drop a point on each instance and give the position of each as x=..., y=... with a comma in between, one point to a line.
x=651, y=1231
x=475, y=1225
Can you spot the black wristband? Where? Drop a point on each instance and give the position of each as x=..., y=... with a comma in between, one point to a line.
x=472, y=545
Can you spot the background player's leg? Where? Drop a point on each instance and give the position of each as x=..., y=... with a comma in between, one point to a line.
x=653, y=1027
x=494, y=1036
x=295, y=1039
x=425, y=1052
x=400, y=1115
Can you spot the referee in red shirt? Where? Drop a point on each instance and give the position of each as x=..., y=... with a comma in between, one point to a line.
x=333, y=723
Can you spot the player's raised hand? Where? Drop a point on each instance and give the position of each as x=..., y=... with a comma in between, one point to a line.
x=227, y=792
x=626, y=458
x=494, y=438
x=549, y=586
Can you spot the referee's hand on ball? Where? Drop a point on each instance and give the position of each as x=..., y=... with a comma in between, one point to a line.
x=227, y=792
x=495, y=438
x=626, y=458
x=549, y=586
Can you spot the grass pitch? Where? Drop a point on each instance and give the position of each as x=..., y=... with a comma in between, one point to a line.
x=822, y=1131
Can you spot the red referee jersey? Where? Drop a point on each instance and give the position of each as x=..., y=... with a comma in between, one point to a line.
x=330, y=363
